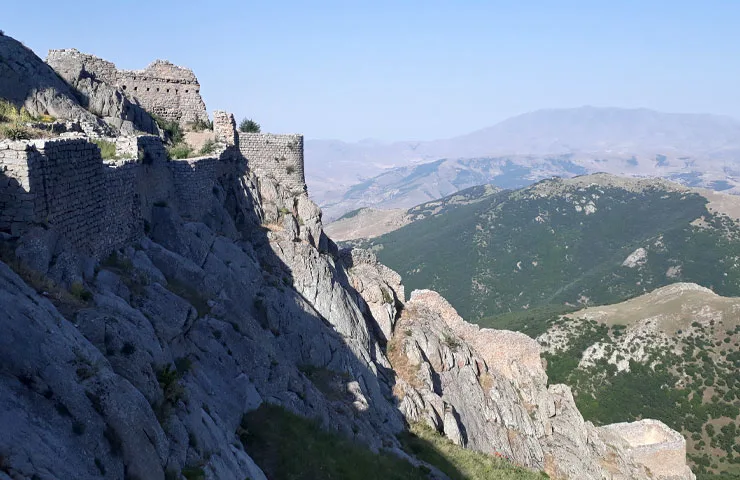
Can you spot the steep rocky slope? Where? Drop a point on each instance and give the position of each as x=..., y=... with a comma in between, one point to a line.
x=156, y=312
x=143, y=364
x=487, y=389
x=671, y=354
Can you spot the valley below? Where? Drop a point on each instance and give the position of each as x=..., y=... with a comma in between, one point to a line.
x=630, y=287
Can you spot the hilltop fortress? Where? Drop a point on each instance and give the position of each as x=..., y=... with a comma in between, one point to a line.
x=162, y=88
x=99, y=205
x=220, y=262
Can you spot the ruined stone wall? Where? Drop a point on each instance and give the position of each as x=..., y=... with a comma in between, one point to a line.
x=275, y=156
x=99, y=206
x=67, y=177
x=64, y=184
x=17, y=203
x=166, y=90
x=194, y=180
x=224, y=126
x=123, y=222
x=162, y=88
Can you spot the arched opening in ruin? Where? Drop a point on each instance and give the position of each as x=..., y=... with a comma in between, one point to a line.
x=124, y=87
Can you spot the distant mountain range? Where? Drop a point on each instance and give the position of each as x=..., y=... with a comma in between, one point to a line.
x=697, y=150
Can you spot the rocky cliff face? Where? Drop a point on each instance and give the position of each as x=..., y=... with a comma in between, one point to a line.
x=141, y=365
x=26, y=81
x=487, y=389
x=148, y=365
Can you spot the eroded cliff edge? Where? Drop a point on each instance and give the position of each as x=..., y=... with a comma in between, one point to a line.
x=148, y=303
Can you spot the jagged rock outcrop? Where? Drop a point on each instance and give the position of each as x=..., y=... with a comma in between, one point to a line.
x=246, y=319
x=487, y=389
x=99, y=96
x=26, y=81
x=378, y=286
x=224, y=292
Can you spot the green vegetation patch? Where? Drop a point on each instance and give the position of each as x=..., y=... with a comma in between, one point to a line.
x=460, y=463
x=248, y=125
x=287, y=446
x=517, y=252
x=180, y=151
x=107, y=149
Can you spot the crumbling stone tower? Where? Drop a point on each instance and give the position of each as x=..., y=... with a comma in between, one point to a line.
x=162, y=88
x=166, y=90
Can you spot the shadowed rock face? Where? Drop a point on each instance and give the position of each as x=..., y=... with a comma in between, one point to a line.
x=26, y=81
x=95, y=85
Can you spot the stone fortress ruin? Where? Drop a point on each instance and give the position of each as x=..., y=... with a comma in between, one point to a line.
x=63, y=187
x=162, y=88
x=100, y=205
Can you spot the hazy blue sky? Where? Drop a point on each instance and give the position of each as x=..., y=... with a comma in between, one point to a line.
x=411, y=69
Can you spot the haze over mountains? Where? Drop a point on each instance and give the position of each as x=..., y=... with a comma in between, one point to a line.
x=695, y=149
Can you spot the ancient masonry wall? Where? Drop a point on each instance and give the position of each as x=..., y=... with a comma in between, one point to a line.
x=276, y=156
x=652, y=444
x=194, y=180
x=17, y=203
x=162, y=88
x=99, y=206
x=166, y=90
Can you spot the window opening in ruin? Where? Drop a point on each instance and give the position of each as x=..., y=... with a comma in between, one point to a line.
x=124, y=87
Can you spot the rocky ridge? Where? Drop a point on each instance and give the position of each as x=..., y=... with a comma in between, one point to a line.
x=141, y=364
x=487, y=389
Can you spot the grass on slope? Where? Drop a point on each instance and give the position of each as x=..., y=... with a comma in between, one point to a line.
x=459, y=463
x=289, y=447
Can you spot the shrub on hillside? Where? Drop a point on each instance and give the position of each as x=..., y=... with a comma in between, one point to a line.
x=208, y=147
x=200, y=125
x=172, y=129
x=179, y=151
x=249, y=126
x=15, y=131
x=107, y=149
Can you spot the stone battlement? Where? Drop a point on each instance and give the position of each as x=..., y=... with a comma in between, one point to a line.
x=99, y=206
x=279, y=157
x=162, y=88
